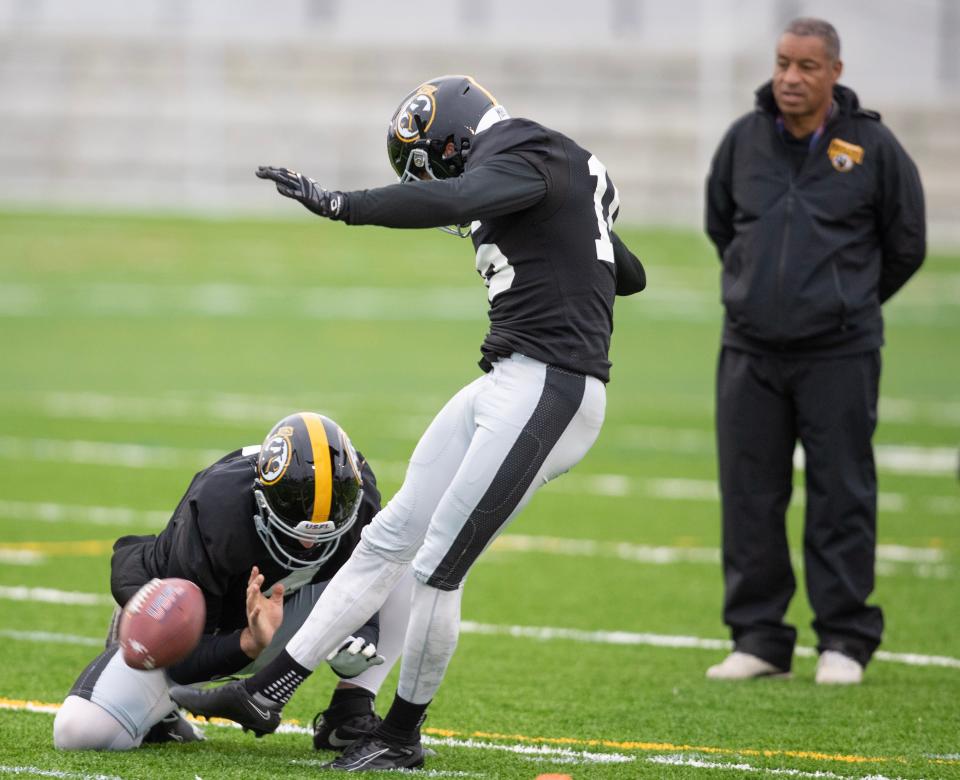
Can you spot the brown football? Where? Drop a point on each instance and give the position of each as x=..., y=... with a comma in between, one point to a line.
x=162, y=623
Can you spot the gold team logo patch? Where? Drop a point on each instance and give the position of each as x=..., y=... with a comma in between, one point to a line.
x=844, y=155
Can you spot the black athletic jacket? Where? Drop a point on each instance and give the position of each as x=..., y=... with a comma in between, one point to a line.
x=211, y=540
x=809, y=255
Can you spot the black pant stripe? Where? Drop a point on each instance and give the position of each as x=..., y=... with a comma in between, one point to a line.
x=88, y=678
x=559, y=401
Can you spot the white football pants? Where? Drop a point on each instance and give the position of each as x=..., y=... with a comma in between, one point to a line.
x=476, y=466
x=112, y=706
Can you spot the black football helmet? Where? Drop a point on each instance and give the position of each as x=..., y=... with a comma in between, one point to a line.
x=430, y=132
x=308, y=489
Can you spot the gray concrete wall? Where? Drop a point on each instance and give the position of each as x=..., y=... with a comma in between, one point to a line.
x=171, y=104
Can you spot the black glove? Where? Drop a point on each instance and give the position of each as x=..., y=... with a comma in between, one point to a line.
x=291, y=184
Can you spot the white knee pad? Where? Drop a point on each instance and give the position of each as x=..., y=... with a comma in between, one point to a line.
x=82, y=725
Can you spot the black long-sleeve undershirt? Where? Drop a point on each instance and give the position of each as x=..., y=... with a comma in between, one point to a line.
x=501, y=185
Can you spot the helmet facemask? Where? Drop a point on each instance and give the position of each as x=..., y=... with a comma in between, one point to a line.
x=303, y=545
x=418, y=168
x=430, y=133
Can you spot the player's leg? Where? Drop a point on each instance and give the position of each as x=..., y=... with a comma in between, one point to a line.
x=755, y=441
x=534, y=423
x=389, y=543
x=837, y=409
x=350, y=713
x=361, y=585
x=82, y=725
x=111, y=706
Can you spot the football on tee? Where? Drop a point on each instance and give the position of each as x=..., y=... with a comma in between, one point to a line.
x=162, y=623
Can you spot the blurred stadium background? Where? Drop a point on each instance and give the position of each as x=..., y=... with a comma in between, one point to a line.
x=160, y=306
x=168, y=103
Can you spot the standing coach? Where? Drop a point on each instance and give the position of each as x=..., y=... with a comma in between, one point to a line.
x=817, y=214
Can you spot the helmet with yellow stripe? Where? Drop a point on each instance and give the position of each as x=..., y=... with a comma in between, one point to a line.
x=308, y=489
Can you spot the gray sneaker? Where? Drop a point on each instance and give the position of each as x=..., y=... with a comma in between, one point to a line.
x=835, y=668
x=744, y=666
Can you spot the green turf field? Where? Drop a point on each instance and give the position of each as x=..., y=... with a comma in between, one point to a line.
x=134, y=351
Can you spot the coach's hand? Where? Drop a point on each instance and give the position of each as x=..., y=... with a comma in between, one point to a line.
x=326, y=203
x=354, y=655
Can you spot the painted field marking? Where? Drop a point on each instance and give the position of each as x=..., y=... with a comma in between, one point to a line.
x=244, y=408
x=20, y=557
x=49, y=512
x=561, y=747
x=893, y=553
x=905, y=458
x=539, y=633
x=317, y=762
x=699, y=763
x=91, y=547
x=48, y=637
x=38, y=772
x=142, y=456
x=519, y=543
x=431, y=736
x=102, y=453
x=53, y=596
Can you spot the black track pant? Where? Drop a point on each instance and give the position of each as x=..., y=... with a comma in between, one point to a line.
x=764, y=405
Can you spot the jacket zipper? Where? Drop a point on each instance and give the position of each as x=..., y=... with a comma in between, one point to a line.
x=782, y=263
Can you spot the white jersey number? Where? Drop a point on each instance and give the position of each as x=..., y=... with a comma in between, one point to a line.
x=605, y=216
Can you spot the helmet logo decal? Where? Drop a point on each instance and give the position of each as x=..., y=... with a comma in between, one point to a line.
x=422, y=104
x=275, y=457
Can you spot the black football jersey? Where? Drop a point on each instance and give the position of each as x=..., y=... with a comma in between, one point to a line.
x=549, y=269
x=541, y=210
x=211, y=540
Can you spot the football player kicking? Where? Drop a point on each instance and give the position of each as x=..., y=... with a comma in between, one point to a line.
x=540, y=210
x=287, y=514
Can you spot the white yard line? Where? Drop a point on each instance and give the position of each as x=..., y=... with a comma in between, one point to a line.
x=53, y=596
x=936, y=462
x=927, y=562
x=49, y=512
x=35, y=771
x=21, y=557
x=663, y=555
x=578, y=756
x=102, y=453
x=891, y=559
x=539, y=633
x=243, y=408
x=236, y=408
x=318, y=762
x=700, y=763
x=47, y=637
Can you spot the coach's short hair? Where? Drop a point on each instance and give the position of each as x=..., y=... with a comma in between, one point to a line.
x=808, y=25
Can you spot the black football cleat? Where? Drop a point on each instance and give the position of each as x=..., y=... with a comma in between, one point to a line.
x=173, y=728
x=230, y=701
x=373, y=752
x=343, y=724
